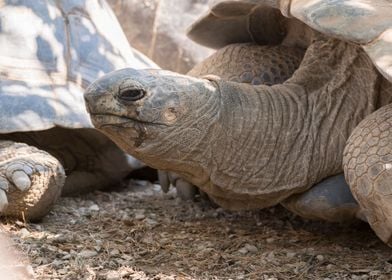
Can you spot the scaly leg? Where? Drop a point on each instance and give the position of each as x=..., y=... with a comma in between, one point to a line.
x=31, y=181
x=329, y=200
x=368, y=169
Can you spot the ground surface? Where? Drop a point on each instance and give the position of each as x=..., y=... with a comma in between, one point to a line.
x=140, y=233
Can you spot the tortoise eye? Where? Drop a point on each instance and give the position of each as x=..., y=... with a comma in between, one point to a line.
x=131, y=95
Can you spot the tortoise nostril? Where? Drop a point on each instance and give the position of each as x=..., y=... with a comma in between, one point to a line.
x=130, y=95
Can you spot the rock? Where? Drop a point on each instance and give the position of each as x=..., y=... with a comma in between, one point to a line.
x=41, y=260
x=114, y=252
x=113, y=275
x=270, y=240
x=57, y=263
x=62, y=271
x=243, y=251
x=87, y=254
x=290, y=255
x=94, y=207
x=140, y=216
x=310, y=251
x=37, y=227
x=151, y=222
x=24, y=233
x=271, y=256
x=57, y=238
x=330, y=266
x=97, y=248
x=66, y=257
x=320, y=258
x=251, y=248
x=375, y=273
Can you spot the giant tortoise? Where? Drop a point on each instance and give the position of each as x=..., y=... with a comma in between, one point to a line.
x=49, y=52
x=255, y=145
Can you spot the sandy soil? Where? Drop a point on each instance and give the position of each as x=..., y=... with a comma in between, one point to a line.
x=140, y=233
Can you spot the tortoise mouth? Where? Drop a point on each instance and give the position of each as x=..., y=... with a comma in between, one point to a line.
x=103, y=120
x=127, y=132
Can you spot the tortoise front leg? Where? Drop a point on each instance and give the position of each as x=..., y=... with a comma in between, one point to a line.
x=329, y=200
x=31, y=181
x=367, y=165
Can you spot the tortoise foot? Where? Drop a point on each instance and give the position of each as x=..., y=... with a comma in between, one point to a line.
x=329, y=200
x=368, y=168
x=185, y=190
x=30, y=181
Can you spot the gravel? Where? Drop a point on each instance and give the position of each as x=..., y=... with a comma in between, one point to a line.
x=140, y=233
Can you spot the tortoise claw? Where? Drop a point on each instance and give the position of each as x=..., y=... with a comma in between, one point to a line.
x=164, y=180
x=19, y=174
x=3, y=200
x=185, y=190
x=21, y=180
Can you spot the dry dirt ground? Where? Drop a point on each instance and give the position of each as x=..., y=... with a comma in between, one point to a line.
x=140, y=233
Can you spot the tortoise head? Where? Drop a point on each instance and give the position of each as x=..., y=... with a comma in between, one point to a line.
x=151, y=113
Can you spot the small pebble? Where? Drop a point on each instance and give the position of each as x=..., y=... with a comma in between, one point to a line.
x=290, y=254
x=41, y=260
x=114, y=252
x=140, y=216
x=310, y=251
x=271, y=256
x=330, y=266
x=58, y=238
x=62, y=271
x=251, y=248
x=375, y=273
x=320, y=258
x=57, y=263
x=243, y=251
x=151, y=222
x=94, y=207
x=87, y=254
x=270, y=240
x=113, y=275
x=66, y=257
x=24, y=233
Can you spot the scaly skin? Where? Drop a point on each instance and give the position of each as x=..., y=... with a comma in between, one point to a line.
x=30, y=178
x=245, y=146
x=368, y=168
x=91, y=161
x=251, y=63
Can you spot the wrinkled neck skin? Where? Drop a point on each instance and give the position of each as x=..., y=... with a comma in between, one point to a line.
x=253, y=146
x=286, y=138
